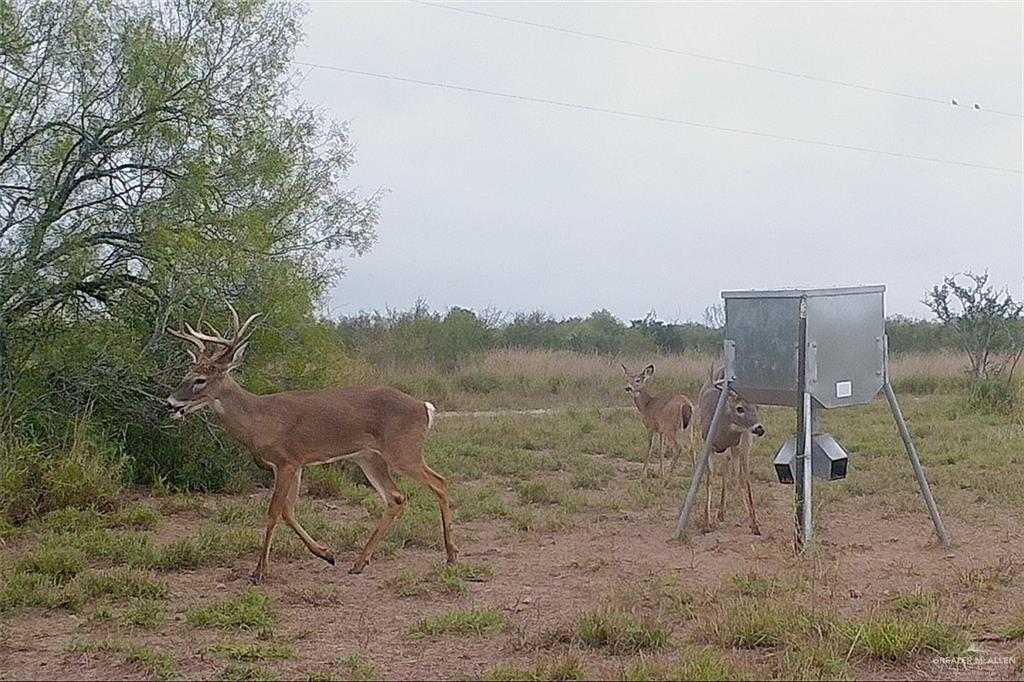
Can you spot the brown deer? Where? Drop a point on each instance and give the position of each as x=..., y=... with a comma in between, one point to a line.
x=665, y=416
x=735, y=435
x=379, y=428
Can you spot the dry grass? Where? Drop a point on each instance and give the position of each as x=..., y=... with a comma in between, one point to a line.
x=591, y=367
x=521, y=379
x=939, y=364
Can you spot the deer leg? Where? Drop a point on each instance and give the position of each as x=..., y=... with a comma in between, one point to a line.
x=437, y=485
x=376, y=470
x=726, y=470
x=283, y=479
x=693, y=445
x=647, y=455
x=677, y=450
x=661, y=456
x=293, y=523
x=749, y=498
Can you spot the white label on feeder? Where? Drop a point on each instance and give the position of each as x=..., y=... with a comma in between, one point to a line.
x=844, y=389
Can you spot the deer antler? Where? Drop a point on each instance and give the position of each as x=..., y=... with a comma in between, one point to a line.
x=189, y=336
x=241, y=332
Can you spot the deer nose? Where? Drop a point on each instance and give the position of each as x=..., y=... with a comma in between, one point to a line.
x=758, y=430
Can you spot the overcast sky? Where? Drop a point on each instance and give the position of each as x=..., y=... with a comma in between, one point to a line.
x=523, y=206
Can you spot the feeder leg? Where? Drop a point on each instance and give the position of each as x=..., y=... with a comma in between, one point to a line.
x=807, y=473
x=908, y=443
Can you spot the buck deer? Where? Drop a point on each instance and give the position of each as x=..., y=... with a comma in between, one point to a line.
x=379, y=428
x=665, y=416
x=735, y=434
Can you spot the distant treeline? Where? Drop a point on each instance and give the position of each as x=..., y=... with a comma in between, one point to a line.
x=444, y=339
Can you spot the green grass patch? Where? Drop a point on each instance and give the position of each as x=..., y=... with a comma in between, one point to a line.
x=915, y=601
x=359, y=668
x=813, y=660
x=757, y=623
x=592, y=474
x=753, y=585
x=531, y=520
x=482, y=502
x=901, y=639
x=463, y=622
x=59, y=563
x=71, y=520
x=406, y=583
x=453, y=578
x=250, y=610
x=32, y=589
x=125, y=583
x=143, y=614
x=621, y=632
x=138, y=516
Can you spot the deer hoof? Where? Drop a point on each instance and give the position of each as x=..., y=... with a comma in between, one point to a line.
x=357, y=568
x=453, y=556
x=755, y=530
x=329, y=558
x=257, y=576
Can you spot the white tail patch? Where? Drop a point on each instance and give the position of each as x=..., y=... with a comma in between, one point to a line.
x=431, y=411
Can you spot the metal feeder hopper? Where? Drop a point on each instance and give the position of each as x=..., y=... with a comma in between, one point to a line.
x=810, y=349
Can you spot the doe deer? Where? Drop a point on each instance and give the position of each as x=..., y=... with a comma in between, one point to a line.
x=379, y=428
x=735, y=434
x=665, y=416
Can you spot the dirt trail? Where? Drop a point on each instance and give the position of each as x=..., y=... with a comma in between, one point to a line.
x=523, y=412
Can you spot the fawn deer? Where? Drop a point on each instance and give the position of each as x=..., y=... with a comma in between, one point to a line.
x=735, y=435
x=666, y=416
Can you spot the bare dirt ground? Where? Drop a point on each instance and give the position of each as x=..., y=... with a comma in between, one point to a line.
x=545, y=579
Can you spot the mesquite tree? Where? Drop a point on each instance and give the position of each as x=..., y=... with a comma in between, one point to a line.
x=987, y=323
x=154, y=160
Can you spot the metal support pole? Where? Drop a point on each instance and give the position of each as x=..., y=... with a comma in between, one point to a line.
x=802, y=489
x=729, y=353
x=807, y=472
x=908, y=443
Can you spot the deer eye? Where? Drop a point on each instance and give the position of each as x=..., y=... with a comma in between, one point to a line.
x=199, y=382
x=740, y=410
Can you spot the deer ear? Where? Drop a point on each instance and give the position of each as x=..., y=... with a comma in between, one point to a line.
x=237, y=355
x=649, y=370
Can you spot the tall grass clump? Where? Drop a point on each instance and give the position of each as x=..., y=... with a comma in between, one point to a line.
x=82, y=470
x=994, y=396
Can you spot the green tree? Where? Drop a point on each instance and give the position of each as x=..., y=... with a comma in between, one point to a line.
x=153, y=163
x=986, y=322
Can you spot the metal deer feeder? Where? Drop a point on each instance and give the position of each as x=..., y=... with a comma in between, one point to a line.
x=810, y=349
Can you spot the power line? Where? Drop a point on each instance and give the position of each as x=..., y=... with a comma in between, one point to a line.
x=650, y=117
x=710, y=58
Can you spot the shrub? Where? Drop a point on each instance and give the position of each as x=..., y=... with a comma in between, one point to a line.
x=84, y=471
x=993, y=396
